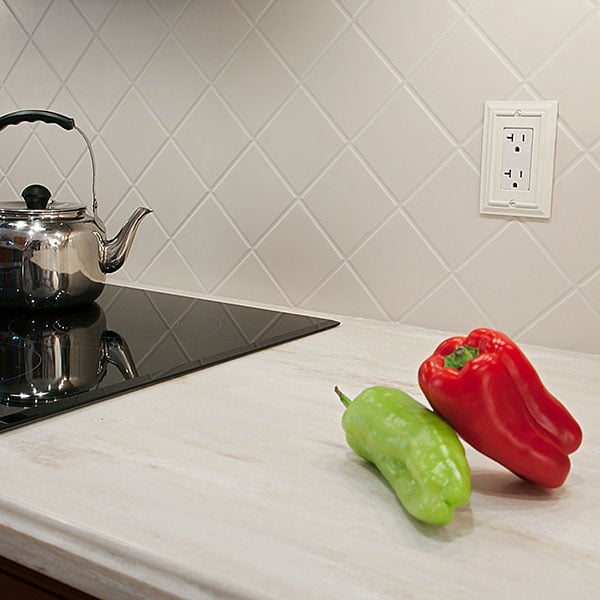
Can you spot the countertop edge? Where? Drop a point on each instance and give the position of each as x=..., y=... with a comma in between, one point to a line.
x=94, y=562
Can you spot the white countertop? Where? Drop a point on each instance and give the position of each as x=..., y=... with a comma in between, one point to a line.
x=236, y=482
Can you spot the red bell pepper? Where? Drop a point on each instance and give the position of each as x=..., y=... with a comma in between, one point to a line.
x=487, y=390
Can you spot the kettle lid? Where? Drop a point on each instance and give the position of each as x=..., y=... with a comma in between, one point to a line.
x=38, y=204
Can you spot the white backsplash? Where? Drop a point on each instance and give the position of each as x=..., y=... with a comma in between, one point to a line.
x=320, y=154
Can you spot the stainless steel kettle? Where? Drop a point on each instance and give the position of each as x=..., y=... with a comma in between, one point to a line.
x=54, y=254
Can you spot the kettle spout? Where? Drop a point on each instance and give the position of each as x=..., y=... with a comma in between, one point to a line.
x=114, y=252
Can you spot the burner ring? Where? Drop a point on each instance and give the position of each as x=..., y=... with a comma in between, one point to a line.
x=18, y=361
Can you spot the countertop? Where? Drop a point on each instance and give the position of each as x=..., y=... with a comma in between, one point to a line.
x=236, y=482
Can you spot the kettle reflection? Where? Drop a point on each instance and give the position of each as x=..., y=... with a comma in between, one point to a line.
x=49, y=355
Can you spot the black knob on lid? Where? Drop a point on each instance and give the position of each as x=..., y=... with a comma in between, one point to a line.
x=36, y=196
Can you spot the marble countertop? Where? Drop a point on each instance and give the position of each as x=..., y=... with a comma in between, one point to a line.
x=236, y=482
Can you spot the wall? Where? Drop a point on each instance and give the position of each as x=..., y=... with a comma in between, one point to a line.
x=321, y=154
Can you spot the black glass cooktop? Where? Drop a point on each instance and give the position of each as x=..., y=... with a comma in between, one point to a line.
x=58, y=361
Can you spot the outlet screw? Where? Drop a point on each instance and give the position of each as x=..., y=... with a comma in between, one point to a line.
x=512, y=202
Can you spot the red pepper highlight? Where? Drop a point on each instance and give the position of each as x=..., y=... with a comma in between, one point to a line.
x=492, y=396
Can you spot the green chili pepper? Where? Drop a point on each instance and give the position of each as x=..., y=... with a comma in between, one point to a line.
x=416, y=451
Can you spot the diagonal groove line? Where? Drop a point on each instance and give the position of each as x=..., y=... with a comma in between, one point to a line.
x=405, y=317
x=50, y=65
x=578, y=291
x=359, y=280
x=22, y=51
x=559, y=47
x=548, y=256
x=227, y=59
x=263, y=12
x=458, y=268
x=155, y=258
x=254, y=250
x=179, y=15
x=170, y=241
x=323, y=233
x=251, y=252
x=555, y=304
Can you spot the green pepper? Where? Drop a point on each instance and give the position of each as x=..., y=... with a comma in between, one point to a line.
x=416, y=451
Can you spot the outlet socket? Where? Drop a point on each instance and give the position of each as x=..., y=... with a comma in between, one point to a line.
x=517, y=162
x=515, y=167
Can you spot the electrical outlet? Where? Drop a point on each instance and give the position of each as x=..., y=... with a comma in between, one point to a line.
x=517, y=166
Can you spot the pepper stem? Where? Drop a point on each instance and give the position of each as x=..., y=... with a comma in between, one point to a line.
x=345, y=400
x=460, y=357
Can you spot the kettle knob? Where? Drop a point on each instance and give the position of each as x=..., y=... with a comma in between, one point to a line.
x=36, y=196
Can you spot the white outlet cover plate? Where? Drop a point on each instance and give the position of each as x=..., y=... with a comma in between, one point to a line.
x=539, y=115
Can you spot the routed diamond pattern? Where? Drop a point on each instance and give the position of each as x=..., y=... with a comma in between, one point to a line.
x=179, y=191
x=350, y=65
x=255, y=82
x=210, y=244
x=458, y=100
x=578, y=90
x=253, y=194
x=28, y=13
x=210, y=31
x=444, y=212
x=319, y=153
x=211, y=137
x=337, y=200
x=130, y=45
x=407, y=31
x=63, y=21
x=12, y=41
x=296, y=235
x=31, y=82
x=301, y=31
x=134, y=134
x=403, y=145
x=171, y=83
x=528, y=40
x=21, y=174
x=95, y=12
x=99, y=100
x=499, y=268
x=398, y=283
x=300, y=140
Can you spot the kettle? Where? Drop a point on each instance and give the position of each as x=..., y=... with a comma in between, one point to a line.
x=55, y=254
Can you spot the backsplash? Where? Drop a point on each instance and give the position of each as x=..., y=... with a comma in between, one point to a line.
x=320, y=154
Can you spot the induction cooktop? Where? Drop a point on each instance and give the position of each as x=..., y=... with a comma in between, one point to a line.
x=53, y=362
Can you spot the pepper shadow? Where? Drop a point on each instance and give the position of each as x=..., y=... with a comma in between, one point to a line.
x=461, y=526
x=503, y=484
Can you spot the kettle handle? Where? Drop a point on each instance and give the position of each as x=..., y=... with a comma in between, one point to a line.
x=68, y=123
x=30, y=116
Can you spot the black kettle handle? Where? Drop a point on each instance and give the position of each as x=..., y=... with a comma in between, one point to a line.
x=68, y=123
x=30, y=116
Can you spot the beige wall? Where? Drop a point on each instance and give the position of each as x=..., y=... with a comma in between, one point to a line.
x=321, y=154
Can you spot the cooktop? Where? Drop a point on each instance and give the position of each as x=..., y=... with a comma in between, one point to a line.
x=52, y=362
